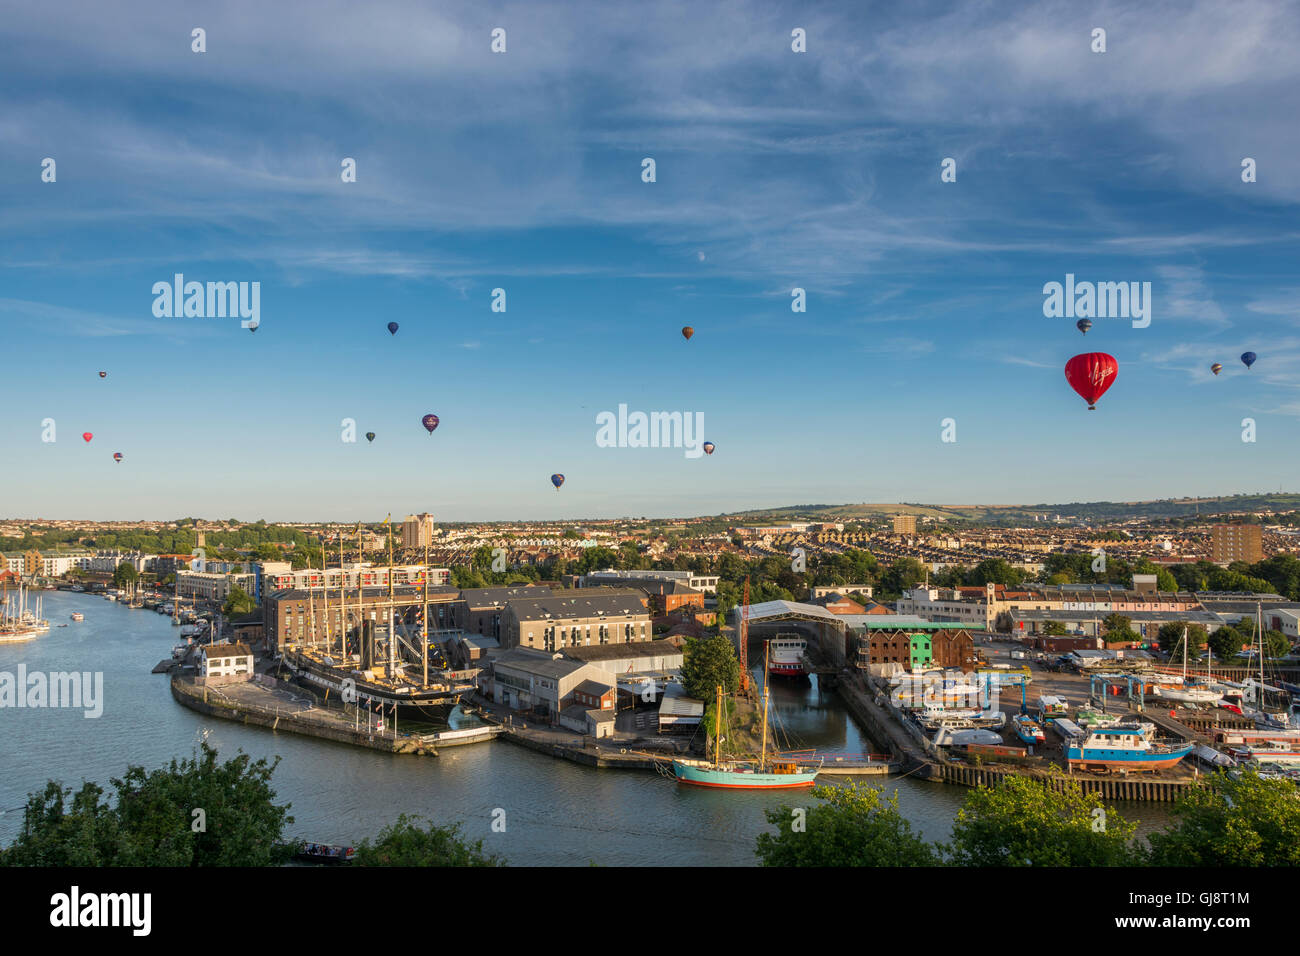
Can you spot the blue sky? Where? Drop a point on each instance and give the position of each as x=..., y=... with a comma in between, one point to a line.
x=522, y=171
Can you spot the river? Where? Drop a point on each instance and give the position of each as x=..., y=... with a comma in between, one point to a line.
x=555, y=812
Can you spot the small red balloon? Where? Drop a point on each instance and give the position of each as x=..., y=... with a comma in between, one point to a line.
x=87, y=435
x=1091, y=374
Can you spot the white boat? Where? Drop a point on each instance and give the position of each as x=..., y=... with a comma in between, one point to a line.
x=787, y=652
x=962, y=738
x=78, y=616
x=1190, y=692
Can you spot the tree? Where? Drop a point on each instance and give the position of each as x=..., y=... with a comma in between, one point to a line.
x=239, y=603
x=1276, y=644
x=1226, y=642
x=1118, y=629
x=1054, y=628
x=1244, y=822
x=853, y=826
x=997, y=571
x=708, y=662
x=1170, y=639
x=1023, y=822
x=125, y=575
x=406, y=843
x=154, y=821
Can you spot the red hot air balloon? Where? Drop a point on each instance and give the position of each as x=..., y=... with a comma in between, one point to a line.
x=1091, y=374
x=688, y=332
x=103, y=375
x=430, y=422
x=87, y=435
x=708, y=447
x=117, y=456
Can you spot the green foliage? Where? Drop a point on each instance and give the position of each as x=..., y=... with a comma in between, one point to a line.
x=708, y=662
x=1226, y=642
x=1170, y=639
x=239, y=603
x=1118, y=629
x=1244, y=822
x=153, y=823
x=1022, y=822
x=1054, y=628
x=406, y=843
x=1276, y=644
x=854, y=826
x=997, y=571
x=124, y=575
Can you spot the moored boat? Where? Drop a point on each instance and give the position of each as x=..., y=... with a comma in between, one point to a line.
x=787, y=652
x=78, y=616
x=779, y=772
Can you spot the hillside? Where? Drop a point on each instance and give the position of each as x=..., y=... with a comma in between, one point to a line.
x=1089, y=510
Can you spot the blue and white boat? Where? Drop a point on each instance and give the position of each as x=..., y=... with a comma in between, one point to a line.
x=1122, y=748
x=1028, y=729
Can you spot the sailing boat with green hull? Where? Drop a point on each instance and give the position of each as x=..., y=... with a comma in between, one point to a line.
x=774, y=773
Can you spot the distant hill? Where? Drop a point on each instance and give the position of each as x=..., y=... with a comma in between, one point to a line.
x=1086, y=510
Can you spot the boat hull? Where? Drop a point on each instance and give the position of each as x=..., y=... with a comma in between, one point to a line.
x=1087, y=758
x=741, y=779
x=788, y=670
x=427, y=705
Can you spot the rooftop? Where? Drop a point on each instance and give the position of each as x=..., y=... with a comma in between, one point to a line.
x=614, y=652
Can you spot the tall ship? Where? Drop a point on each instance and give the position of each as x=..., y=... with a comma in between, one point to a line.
x=373, y=665
x=787, y=651
x=1121, y=748
x=775, y=772
x=379, y=684
x=20, y=622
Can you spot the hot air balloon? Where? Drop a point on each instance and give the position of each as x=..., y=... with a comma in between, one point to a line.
x=103, y=375
x=1216, y=368
x=1083, y=325
x=430, y=422
x=1091, y=374
x=117, y=456
x=370, y=436
x=87, y=435
x=252, y=326
x=1248, y=358
x=557, y=480
x=688, y=332
x=392, y=328
x=708, y=447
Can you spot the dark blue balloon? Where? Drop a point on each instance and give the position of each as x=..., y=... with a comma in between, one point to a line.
x=392, y=327
x=557, y=480
x=1248, y=358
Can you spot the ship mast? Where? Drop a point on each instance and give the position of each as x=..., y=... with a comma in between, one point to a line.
x=762, y=760
x=717, y=732
x=325, y=592
x=744, y=637
x=425, y=620
x=366, y=649
x=311, y=602
x=343, y=607
x=392, y=627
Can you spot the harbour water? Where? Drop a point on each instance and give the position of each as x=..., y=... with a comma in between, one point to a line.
x=555, y=812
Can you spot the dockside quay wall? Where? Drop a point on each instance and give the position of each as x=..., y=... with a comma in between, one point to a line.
x=195, y=697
